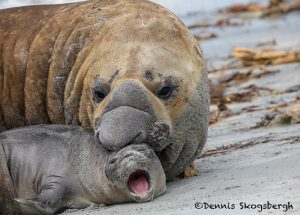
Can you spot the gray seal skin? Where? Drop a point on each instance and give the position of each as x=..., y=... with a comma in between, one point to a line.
x=55, y=167
x=128, y=69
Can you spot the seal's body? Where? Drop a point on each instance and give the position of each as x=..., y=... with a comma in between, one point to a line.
x=128, y=69
x=54, y=167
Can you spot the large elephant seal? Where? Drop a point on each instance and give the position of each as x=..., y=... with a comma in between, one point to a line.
x=129, y=69
x=54, y=167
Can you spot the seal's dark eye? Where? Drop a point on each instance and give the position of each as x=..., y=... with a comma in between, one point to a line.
x=99, y=94
x=165, y=92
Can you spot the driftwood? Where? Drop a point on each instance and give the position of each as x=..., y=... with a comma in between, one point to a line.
x=251, y=57
x=8, y=206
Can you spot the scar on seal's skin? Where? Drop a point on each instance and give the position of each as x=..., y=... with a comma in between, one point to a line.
x=97, y=79
x=198, y=51
x=100, y=81
x=149, y=75
x=113, y=77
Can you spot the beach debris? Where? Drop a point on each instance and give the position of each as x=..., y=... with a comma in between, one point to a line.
x=271, y=42
x=220, y=100
x=221, y=150
x=218, y=86
x=281, y=7
x=216, y=91
x=289, y=117
x=246, y=74
x=282, y=114
x=191, y=171
x=293, y=89
x=206, y=36
x=266, y=120
x=243, y=95
x=236, y=15
x=219, y=22
x=230, y=63
x=273, y=7
x=250, y=57
x=213, y=118
x=221, y=112
x=283, y=107
x=238, y=8
x=253, y=6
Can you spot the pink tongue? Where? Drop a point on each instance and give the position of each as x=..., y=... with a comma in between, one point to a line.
x=139, y=184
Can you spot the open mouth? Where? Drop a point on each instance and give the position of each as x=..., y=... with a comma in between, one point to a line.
x=139, y=183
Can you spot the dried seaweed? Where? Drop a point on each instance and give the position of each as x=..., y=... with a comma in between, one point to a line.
x=238, y=8
x=219, y=22
x=287, y=118
x=201, y=37
x=249, y=57
x=237, y=14
x=274, y=7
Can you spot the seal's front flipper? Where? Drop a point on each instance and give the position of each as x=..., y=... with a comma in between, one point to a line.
x=50, y=201
x=38, y=206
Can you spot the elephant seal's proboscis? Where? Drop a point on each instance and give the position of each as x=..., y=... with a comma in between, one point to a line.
x=55, y=167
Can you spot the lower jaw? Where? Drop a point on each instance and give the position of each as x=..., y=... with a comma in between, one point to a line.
x=140, y=199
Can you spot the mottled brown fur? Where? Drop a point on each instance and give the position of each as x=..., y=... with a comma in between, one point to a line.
x=50, y=56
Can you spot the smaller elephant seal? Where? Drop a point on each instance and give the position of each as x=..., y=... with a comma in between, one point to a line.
x=56, y=167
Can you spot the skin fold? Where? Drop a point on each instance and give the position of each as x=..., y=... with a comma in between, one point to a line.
x=128, y=69
x=56, y=167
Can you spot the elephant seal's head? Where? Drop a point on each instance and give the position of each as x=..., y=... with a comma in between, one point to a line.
x=136, y=173
x=143, y=80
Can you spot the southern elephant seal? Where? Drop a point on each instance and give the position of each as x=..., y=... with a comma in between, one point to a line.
x=54, y=167
x=129, y=69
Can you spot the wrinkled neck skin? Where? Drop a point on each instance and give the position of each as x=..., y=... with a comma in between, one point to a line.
x=95, y=185
x=103, y=192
